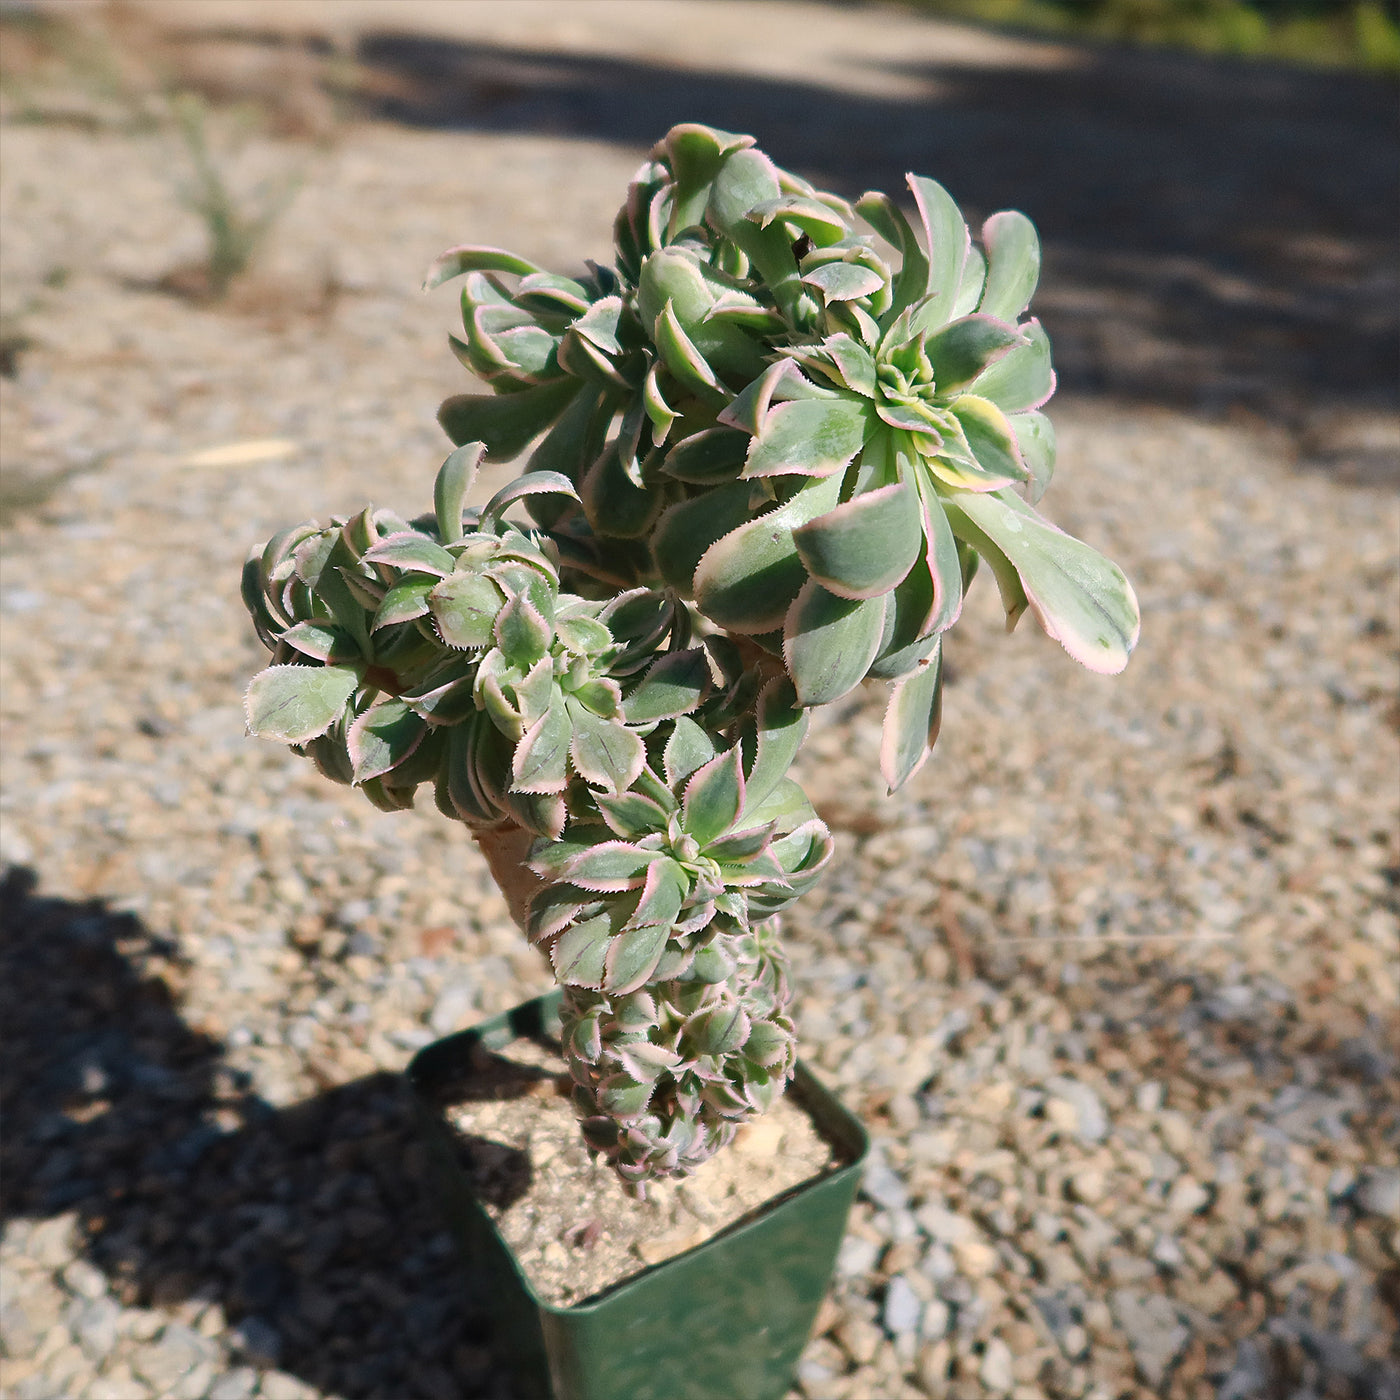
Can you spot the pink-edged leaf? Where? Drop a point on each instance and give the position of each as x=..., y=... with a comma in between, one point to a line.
x=763, y=869
x=809, y=437
x=947, y=238
x=823, y=224
x=682, y=356
x=471, y=257
x=630, y=814
x=675, y=685
x=663, y=892
x=605, y=752
x=322, y=641
x=541, y=756
x=963, y=349
x=910, y=418
x=863, y=547
x=708, y=457
x=553, y=908
x=296, y=703
x=404, y=600
x=844, y=281
x=506, y=423
x=911, y=722
x=714, y=796
x=609, y=867
x=781, y=727
x=685, y=531
x=622, y=1098
x=990, y=438
x=1022, y=378
x=1013, y=264
x=887, y=219
x=544, y=483
x=687, y=750
x=382, y=737
x=854, y=362
x=746, y=581
x=660, y=412
x=804, y=851
x=579, y=954
x=940, y=554
x=741, y=845
x=1082, y=600
x=782, y=381
x=974, y=279
x=718, y=1032
x=632, y=957
x=645, y=1061
x=465, y=607
x=829, y=642
x=451, y=488
x=521, y=632
x=544, y=813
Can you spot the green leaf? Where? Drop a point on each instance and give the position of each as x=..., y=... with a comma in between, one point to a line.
x=863, y=547
x=1035, y=436
x=470, y=257
x=1013, y=264
x=610, y=867
x=675, y=685
x=322, y=641
x=382, y=737
x=696, y=153
x=945, y=567
x=631, y=814
x=886, y=218
x=819, y=221
x=709, y=457
x=605, y=753
x=809, y=437
x=682, y=356
x=911, y=722
x=541, y=756
x=614, y=505
x=685, y=531
x=450, y=489
x=844, y=281
x=407, y=549
x=945, y=232
x=522, y=632
x=405, y=600
x=1081, y=599
x=1022, y=378
x=714, y=796
x=689, y=748
x=506, y=423
x=829, y=642
x=781, y=725
x=963, y=349
x=579, y=954
x=465, y=607
x=718, y=1032
x=663, y=892
x=855, y=363
x=296, y=703
x=990, y=438
x=584, y=636
x=528, y=484
x=746, y=581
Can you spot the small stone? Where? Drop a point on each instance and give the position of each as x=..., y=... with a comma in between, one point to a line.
x=1148, y=1097
x=51, y=1242
x=1088, y=1186
x=1167, y=1253
x=1081, y=1111
x=859, y=1338
x=935, y=1320
x=857, y=1257
x=84, y=1279
x=1378, y=1193
x=975, y=1258
x=237, y=1384
x=942, y=1225
x=996, y=1372
x=176, y=1351
x=883, y=1186
x=903, y=1311
x=932, y=1369
x=1187, y=1196
x=1154, y=1330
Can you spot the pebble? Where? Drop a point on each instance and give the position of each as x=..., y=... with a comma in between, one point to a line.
x=1378, y=1193
x=903, y=1310
x=1154, y=1330
x=996, y=1372
x=1075, y=1106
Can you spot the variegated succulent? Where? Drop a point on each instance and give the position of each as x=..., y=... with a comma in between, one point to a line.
x=767, y=450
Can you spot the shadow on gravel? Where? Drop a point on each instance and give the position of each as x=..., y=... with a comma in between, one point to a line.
x=1217, y=234
x=310, y=1226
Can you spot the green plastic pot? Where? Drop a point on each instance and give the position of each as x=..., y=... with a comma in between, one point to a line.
x=726, y=1320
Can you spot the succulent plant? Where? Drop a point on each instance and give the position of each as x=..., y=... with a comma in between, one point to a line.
x=767, y=451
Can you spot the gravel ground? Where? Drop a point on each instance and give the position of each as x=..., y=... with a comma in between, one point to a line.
x=1114, y=982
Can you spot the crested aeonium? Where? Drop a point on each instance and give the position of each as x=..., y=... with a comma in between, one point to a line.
x=768, y=449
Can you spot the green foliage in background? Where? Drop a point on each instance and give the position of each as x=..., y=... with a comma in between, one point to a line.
x=1362, y=34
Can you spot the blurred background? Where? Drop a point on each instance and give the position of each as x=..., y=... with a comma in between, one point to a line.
x=1114, y=981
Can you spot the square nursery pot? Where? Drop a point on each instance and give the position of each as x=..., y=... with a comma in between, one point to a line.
x=728, y=1318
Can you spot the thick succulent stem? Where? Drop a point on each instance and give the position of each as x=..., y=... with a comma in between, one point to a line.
x=507, y=848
